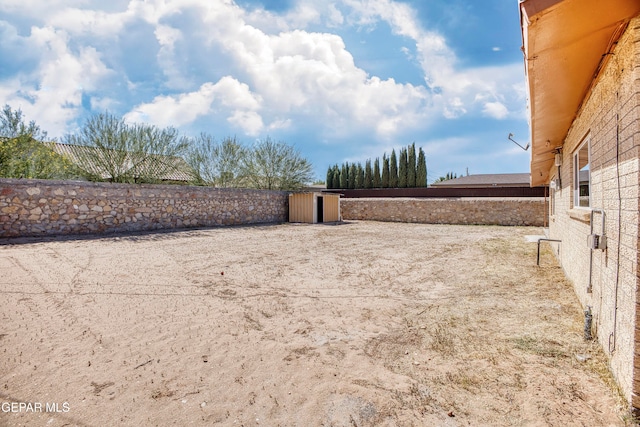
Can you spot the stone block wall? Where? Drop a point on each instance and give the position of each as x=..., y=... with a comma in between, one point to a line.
x=487, y=211
x=38, y=207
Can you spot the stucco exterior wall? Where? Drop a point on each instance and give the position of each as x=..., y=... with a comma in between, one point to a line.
x=610, y=118
x=38, y=207
x=488, y=211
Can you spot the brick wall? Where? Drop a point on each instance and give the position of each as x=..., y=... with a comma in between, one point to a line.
x=489, y=211
x=610, y=119
x=36, y=207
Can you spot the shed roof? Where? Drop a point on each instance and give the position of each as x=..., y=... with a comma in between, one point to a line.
x=487, y=180
x=565, y=44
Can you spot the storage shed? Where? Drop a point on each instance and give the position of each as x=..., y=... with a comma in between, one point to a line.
x=314, y=208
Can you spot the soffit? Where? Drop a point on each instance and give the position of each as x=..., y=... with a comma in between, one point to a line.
x=564, y=43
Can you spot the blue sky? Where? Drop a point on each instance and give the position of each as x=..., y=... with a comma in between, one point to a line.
x=342, y=80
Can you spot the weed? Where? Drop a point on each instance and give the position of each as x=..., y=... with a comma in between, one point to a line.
x=539, y=347
x=441, y=340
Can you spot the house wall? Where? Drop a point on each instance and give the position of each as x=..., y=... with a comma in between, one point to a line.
x=487, y=211
x=38, y=207
x=610, y=117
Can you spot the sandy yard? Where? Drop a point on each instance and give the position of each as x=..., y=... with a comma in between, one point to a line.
x=359, y=324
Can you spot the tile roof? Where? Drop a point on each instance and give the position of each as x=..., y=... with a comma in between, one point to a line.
x=171, y=168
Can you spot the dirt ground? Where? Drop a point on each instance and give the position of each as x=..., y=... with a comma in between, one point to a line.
x=358, y=324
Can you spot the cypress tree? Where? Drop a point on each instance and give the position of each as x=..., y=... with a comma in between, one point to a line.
x=353, y=172
x=344, y=176
x=368, y=174
x=336, y=177
x=376, y=173
x=385, y=171
x=411, y=166
x=402, y=169
x=421, y=172
x=329, y=181
x=360, y=177
x=393, y=170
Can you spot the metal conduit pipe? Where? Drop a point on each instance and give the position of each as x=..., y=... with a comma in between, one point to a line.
x=544, y=240
x=599, y=242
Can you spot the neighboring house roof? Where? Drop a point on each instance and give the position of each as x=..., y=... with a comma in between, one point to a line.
x=315, y=187
x=565, y=44
x=178, y=170
x=487, y=180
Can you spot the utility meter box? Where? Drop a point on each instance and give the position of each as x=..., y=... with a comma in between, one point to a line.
x=597, y=241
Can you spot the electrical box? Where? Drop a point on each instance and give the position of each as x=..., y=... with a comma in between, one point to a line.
x=597, y=241
x=558, y=159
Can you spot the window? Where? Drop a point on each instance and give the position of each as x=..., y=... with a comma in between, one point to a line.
x=582, y=176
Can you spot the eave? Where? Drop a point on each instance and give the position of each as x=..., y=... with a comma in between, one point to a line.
x=565, y=44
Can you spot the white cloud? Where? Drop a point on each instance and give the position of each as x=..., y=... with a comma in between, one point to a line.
x=52, y=92
x=456, y=88
x=236, y=98
x=454, y=109
x=280, y=74
x=103, y=104
x=174, y=110
x=496, y=110
x=167, y=37
x=335, y=16
x=306, y=73
x=94, y=22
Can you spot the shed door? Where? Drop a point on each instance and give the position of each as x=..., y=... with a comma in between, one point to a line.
x=320, y=208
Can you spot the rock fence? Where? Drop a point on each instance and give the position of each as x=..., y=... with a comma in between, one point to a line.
x=465, y=211
x=38, y=207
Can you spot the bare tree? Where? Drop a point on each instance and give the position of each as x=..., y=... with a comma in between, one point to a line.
x=276, y=166
x=107, y=148
x=216, y=164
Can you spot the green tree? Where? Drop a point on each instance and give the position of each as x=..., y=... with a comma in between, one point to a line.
x=402, y=169
x=411, y=166
x=216, y=164
x=421, y=172
x=107, y=148
x=385, y=171
x=24, y=153
x=329, y=180
x=448, y=176
x=336, y=177
x=393, y=170
x=376, y=173
x=368, y=174
x=344, y=176
x=359, y=177
x=353, y=174
x=274, y=165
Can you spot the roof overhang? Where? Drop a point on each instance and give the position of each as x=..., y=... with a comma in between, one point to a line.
x=565, y=44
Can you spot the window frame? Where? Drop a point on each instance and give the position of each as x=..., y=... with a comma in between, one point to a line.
x=586, y=143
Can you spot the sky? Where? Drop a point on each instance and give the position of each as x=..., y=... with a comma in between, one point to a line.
x=341, y=80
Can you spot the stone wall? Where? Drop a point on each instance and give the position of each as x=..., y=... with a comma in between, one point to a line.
x=488, y=211
x=37, y=207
